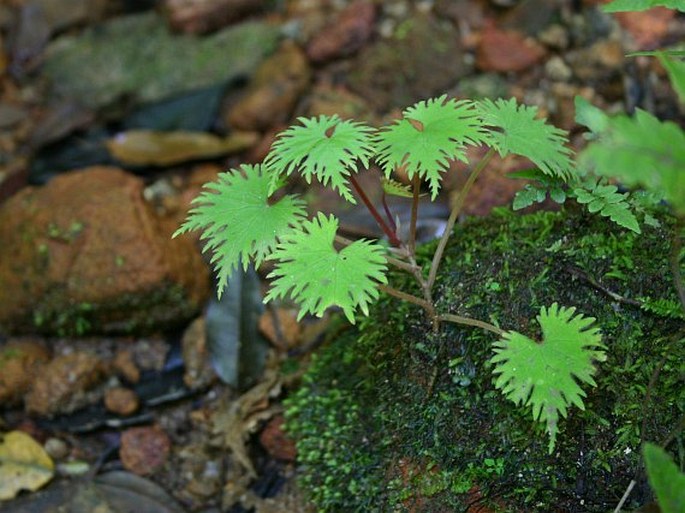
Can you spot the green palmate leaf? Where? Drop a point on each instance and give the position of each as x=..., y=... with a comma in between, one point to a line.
x=642, y=5
x=429, y=135
x=667, y=481
x=237, y=222
x=315, y=275
x=545, y=375
x=608, y=202
x=326, y=148
x=639, y=151
x=516, y=129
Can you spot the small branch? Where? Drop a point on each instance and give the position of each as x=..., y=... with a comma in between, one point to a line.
x=594, y=283
x=456, y=210
x=676, y=248
x=625, y=496
x=414, y=214
x=405, y=266
x=406, y=297
x=458, y=319
x=392, y=236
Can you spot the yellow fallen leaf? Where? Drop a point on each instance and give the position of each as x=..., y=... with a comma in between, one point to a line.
x=24, y=465
x=151, y=147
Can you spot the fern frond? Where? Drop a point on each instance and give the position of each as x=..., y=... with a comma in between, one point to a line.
x=516, y=129
x=316, y=276
x=544, y=375
x=394, y=188
x=609, y=203
x=639, y=151
x=326, y=148
x=237, y=222
x=430, y=134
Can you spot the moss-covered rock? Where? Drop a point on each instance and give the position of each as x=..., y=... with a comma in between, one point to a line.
x=394, y=417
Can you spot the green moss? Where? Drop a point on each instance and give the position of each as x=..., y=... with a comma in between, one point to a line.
x=394, y=396
x=126, y=314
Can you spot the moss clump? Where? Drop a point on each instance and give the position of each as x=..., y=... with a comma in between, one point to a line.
x=393, y=417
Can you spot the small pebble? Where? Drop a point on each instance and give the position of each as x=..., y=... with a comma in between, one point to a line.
x=121, y=401
x=144, y=450
x=56, y=448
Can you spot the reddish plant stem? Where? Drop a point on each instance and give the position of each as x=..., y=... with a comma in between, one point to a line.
x=392, y=236
x=388, y=214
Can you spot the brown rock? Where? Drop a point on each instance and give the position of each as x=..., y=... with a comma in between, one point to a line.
x=196, y=358
x=346, y=34
x=122, y=401
x=507, y=50
x=86, y=253
x=201, y=16
x=329, y=100
x=273, y=92
x=424, y=59
x=281, y=328
x=125, y=366
x=144, y=450
x=276, y=442
x=20, y=362
x=62, y=385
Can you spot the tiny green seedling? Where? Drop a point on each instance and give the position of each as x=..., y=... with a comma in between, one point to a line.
x=246, y=217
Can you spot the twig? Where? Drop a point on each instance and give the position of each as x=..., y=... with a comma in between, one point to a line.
x=406, y=297
x=623, y=500
x=408, y=267
x=456, y=210
x=613, y=295
x=468, y=321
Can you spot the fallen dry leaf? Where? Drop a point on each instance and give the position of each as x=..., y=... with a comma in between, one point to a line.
x=236, y=420
x=151, y=147
x=24, y=464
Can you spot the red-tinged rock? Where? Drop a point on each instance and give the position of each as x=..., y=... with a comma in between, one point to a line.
x=144, y=450
x=122, y=401
x=507, y=50
x=276, y=442
x=202, y=16
x=63, y=384
x=647, y=28
x=273, y=92
x=86, y=253
x=346, y=34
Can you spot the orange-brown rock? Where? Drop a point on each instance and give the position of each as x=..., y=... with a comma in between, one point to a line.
x=507, y=50
x=87, y=254
x=63, y=384
x=273, y=92
x=122, y=401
